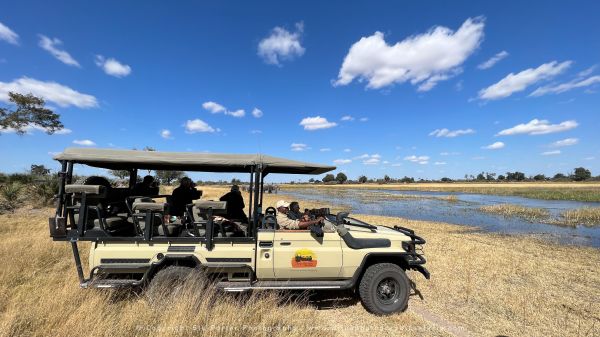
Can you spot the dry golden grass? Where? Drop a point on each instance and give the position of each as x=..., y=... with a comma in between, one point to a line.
x=528, y=213
x=507, y=285
x=489, y=284
x=40, y=296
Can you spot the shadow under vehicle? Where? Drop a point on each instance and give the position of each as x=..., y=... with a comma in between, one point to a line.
x=135, y=243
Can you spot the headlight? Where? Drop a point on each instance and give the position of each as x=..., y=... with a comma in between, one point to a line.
x=409, y=247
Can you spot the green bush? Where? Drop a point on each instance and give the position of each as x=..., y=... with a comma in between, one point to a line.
x=20, y=178
x=10, y=196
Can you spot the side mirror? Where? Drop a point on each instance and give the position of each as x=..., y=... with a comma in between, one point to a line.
x=340, y=217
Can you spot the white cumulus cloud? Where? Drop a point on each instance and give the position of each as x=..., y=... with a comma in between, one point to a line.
x=538, y=127
x=423, y=59
x=84, y=142
x=347, y=119
x=518, y=82
x=216, y=108
x=166, y=134
x=551, y=153
x=53, y=92
x=557, y=89
x=565, y=142
x=316, y=123
x=281, y=45
x=257, y=113
x=198, y=125
x=237, y=113
x=439, y=163
x=493, y=60
x=299, y=147
x=213, y=107
x=112, y=67
x=325, y=149
x=369, y=159
x=418, y=159
x=450, y=134
x=8, y=35
x=494, y=146
x=53, y=47
x=342, y=161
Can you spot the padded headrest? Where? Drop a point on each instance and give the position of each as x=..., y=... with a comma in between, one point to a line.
x=98, y=190
x=148, y=206
x=206, y=204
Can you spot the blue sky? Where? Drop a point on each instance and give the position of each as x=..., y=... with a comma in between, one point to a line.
x=428, y=89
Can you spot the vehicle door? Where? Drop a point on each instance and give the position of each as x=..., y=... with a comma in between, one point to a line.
x=298, y=254
x=264, y=254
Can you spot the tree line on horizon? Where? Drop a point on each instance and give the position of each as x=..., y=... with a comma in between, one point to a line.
x=578, y=174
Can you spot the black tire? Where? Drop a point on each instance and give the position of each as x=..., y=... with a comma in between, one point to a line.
x=384, y=289
x=167, y=281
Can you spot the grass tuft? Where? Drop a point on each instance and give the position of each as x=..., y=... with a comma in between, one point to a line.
x=508, y=210
x=586, y=216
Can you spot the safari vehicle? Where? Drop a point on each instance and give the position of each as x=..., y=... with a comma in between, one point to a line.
x=134, y=243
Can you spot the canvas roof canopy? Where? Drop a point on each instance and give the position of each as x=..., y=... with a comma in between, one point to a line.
x=187, y=161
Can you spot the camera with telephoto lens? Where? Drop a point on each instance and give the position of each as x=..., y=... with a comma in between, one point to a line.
x=317, y=212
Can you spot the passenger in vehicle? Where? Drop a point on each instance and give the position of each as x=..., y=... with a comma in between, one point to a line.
x=286, y=223
x=294, y=212
x=235, y=204
x=148, y=187
x=182, y=196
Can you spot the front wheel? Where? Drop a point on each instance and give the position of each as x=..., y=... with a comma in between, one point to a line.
x=384, y=289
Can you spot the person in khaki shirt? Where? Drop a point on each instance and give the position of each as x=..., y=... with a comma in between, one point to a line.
x=286, y=223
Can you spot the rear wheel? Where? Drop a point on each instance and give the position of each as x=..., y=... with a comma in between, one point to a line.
x=384, y=289
x=166, y=282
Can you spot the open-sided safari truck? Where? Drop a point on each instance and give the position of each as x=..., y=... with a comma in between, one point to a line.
x=134, y=242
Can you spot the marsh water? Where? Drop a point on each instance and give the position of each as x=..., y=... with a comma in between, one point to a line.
x=462, y=209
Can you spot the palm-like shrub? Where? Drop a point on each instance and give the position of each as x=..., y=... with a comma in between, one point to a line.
x=10, y=196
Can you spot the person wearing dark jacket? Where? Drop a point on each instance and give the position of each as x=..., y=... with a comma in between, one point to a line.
x=235, y=205
x=182, y=196
x=148, y=187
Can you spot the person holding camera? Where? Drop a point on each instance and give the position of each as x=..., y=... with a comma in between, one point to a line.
x=286, y=223
x=182, y=196
x=294, y=212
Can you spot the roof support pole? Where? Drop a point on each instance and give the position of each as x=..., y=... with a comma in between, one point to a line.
x=257, y=210
x=250, y=189
x=132, y=177
x=61, y=187
x=262, y=189
x=70, y=172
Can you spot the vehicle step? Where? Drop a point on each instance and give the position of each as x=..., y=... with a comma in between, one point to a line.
x=287, y=284
x=110, y=283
